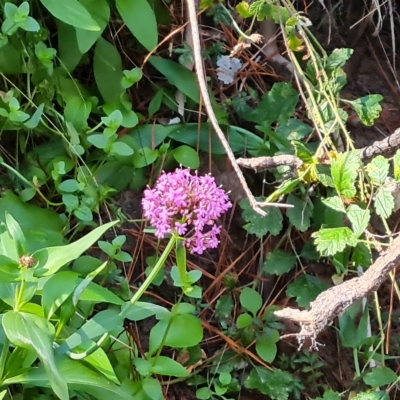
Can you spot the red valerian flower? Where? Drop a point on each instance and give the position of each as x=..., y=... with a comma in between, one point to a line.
x=187, y=205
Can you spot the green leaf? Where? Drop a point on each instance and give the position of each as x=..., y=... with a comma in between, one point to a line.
x=276, y=383
x=279, y=262
x=338, y=58
x=51, y=259
x=35, y=333
x=98, y=294
x=100, y=12
x=251, y=300
x=344, y=172
x=204, y=393
x=336, y=203
x=162, y=365
x=261, y=225
x=140, y=19
x=177, y=331
x=71, y=12
x=359, y=219
x=396, y=165
x=78, y=377
x=378, y=170
x=266, y=348
x=277, y=105
x=16, y=234
x=121, y=149
x=108, y=71
x=57, y=289
x=103, y=322
x=384, y=203
x=101, y=362
x=305, y=289
x=178, y=76
x=70, y=186
x=186, y=156
x=142, y=310
x=375, y=395
x=380, y=376
x=300, y=215
x=368, y=108
x=244, y=320
x=334, y=240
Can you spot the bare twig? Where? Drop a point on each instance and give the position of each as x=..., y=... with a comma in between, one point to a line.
x=191, y=4
x=331, y=303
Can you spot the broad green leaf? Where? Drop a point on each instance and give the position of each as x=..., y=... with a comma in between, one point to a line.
x=103, y=322
x=108, y=71
x=378, y=170
x=266, y=348
x=140, y=19
x=305, y=289
x=78, y=377
x=336, y=203
x=261, y=225
x=100, y=12
x=142, y=310
x=16, y=234
x=279, y=262
x=251, y=300
x=57, y=289
x=121, y=149
x=359, y=219
x=71, y=12
x=9, y=269
x=162, y=365
x=344, y=172
x=204, y=393
x=380, y=376
x=51, y=259
x=368, y=108
x=333, y=240
x=101, y=362
x=34, y=333
x=33, y=122
x=276, y=384
x=300, y=215
x=41, y=227
x=186, y=156
x=244, y=320
x=152, y=387
x=384, y=202
x=277, y=105
x=179, y=331
x=293, y=129
x=178, y=76
x=330, y=395
x=338, y=58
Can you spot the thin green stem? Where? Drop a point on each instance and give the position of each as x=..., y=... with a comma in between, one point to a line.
x=154, y=272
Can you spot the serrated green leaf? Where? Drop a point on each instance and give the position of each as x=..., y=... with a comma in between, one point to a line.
x=378, y=170
x=324, y=175
x=368, y=108
x=336, y=203
x=380, y=376
x=303, y=152
x=276, y=383
x=384, y=203
x=333, y=240
x=279, y=262
x=359, y=219
x=375, y=395
x=338, y=58
x=300, y=215
x=261, y=225
x=344, y=172
x=305, y=289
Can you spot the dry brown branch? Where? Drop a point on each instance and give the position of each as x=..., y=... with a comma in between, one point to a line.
x=331, y=303
x=388, y=145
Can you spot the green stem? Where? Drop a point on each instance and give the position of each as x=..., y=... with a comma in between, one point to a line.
x=154, y=272
x=356, y=364
x=20, y=295
x=48, y=202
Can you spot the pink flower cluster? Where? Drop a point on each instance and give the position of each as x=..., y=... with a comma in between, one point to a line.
x=187, y=205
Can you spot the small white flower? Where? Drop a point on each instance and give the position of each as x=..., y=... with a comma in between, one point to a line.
x=228, y=66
